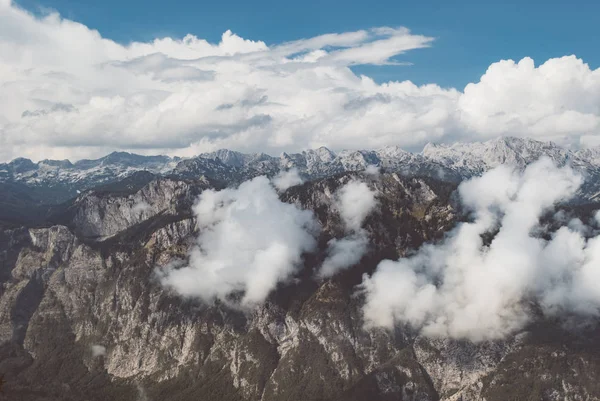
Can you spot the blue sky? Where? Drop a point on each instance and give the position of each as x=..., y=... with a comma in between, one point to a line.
x=471, y=35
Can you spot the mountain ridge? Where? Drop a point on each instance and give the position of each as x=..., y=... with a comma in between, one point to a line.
x=449, y=162
x=236, y=157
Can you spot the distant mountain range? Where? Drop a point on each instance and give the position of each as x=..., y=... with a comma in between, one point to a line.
x=55, y=181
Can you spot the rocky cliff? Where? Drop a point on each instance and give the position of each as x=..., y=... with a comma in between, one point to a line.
x=83, y=315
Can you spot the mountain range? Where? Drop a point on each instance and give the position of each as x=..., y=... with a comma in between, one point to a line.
x=84, y=316
x=54, y=181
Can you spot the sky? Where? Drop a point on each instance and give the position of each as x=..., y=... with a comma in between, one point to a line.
x=470, y=35
x=81, y=80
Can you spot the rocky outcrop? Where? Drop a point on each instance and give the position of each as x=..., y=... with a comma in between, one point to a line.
x=99, y=214
x=87, y=318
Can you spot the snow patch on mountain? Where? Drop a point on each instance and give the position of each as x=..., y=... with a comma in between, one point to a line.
x=446, y=162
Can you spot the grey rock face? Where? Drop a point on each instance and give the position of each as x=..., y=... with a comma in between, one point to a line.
x=104, y=215
x=83, y=315
x=54, y=181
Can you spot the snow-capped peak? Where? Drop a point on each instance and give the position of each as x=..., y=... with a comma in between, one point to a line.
x=449, y=162
x=476, y=157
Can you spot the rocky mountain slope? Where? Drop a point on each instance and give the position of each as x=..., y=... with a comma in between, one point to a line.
x=84, y=317
x=54, y=181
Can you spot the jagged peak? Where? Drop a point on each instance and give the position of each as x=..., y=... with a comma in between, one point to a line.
x=324, y=154
x=392, y=151
x=226, y=156
x=225, y=151
x=476, y=156
x=234, y=158
x=511, y=142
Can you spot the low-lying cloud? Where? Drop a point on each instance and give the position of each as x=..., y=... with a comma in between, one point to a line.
x=249, y=242
x=287, y=179
x=67, y=92
x=464, y=287
x=98, y=350
x=140, y=207
x=354, y=201
x=343, y=253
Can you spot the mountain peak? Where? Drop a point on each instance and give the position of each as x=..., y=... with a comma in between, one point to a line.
x=475, y=157
x=56, y=163
x=325, y=154
x=458, y=160
x=21, y=165
x=392, y=151
x=227, y=157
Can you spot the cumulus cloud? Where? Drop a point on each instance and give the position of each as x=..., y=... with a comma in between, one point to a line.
x=354, y=201
x=557, y=100
x=464, y=287
x=287, y=179
x=67, y=92
x=249, y=242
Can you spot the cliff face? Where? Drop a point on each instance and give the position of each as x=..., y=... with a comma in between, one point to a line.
x=102, y=215
x=83, y=315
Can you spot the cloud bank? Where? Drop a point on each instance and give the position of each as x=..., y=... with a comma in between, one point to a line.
x=466, y=288
x=355, y=200
x=249, y=242
x=67, y=92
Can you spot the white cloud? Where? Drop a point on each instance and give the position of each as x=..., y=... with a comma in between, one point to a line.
x=354, y=202
x=372, y=170
x=287, y=179
x=249, y=242
x=141, y=207
x=69, y=93
x=597, y=217
x=464, y=288
x=343, y=253
x=557, y=100
x=98, y=350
